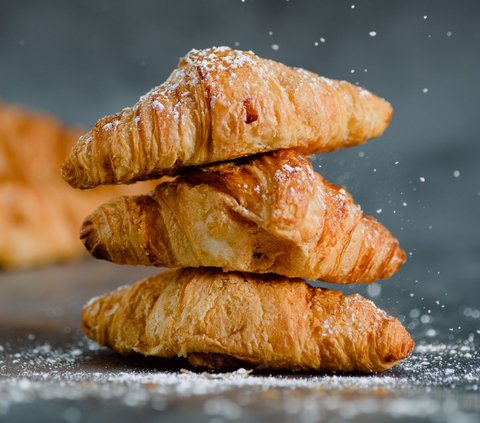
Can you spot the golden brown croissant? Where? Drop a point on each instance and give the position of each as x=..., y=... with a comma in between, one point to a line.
x=266, y=322
x=218, y=105
x=39, y=213
x=269, y=213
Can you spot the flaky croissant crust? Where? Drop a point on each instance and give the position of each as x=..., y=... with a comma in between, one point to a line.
x=221, y=104
x=270, y=213
x=265, y=322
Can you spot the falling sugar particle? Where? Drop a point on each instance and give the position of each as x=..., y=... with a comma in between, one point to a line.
x=315, y=43
x=322, y=40
x=425, y=318
x=425, y=90
x=372, y=33
x=275, y=47
x=361, y=154
x=352, y=70
x=456, y=173
x=374, y=290
x=422, y=179
x=72, y=415
x=378, y=211
x=365, y=70
x=352, y=6
x=449, y=33
x=236, y=43
x=425, y=16
x=404, y=204
x=270, y=32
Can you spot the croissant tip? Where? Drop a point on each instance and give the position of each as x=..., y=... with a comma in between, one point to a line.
x=68, y=171
x=91, y=241
x=395, y=343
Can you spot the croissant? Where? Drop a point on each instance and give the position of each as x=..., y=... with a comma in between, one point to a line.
x=218, y=319
x=270, y=213
x=218, y=105
x=39, y=213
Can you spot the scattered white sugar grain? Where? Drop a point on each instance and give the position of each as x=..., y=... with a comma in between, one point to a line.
x=72, y=415
x=414, y=313
x=431, y=332
x=322, y=40
x=456, y=173
x=315, y=43
x=374, y=290
x=425, y=318
x=361, y=154
x=352, y=70
x=236, y=43
x=396, y=163
x=425, y=16
x=364, y=93
x=136, y=120
x=449, y=33
x=270, y=32
x=378, y=211
x=404, y=204
x=288, y=168
x=222, y=407
x=275, y=47
x=352, y=6
x=422, y=179
x=425, y=90
x=372, y=33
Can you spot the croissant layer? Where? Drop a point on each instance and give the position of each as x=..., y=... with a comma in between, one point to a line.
x=266, y=322
x=218, y=105
x=267, y=214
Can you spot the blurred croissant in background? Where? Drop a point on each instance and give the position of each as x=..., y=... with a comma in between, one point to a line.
x=39, y=213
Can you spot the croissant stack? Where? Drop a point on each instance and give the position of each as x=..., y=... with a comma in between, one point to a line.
x=245, y=232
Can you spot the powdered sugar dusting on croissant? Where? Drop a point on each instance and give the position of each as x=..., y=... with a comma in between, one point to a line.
x=221, y=104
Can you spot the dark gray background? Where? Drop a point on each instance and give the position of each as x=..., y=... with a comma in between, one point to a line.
x=81, y=60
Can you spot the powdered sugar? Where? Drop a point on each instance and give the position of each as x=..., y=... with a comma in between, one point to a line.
x=45, y=372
